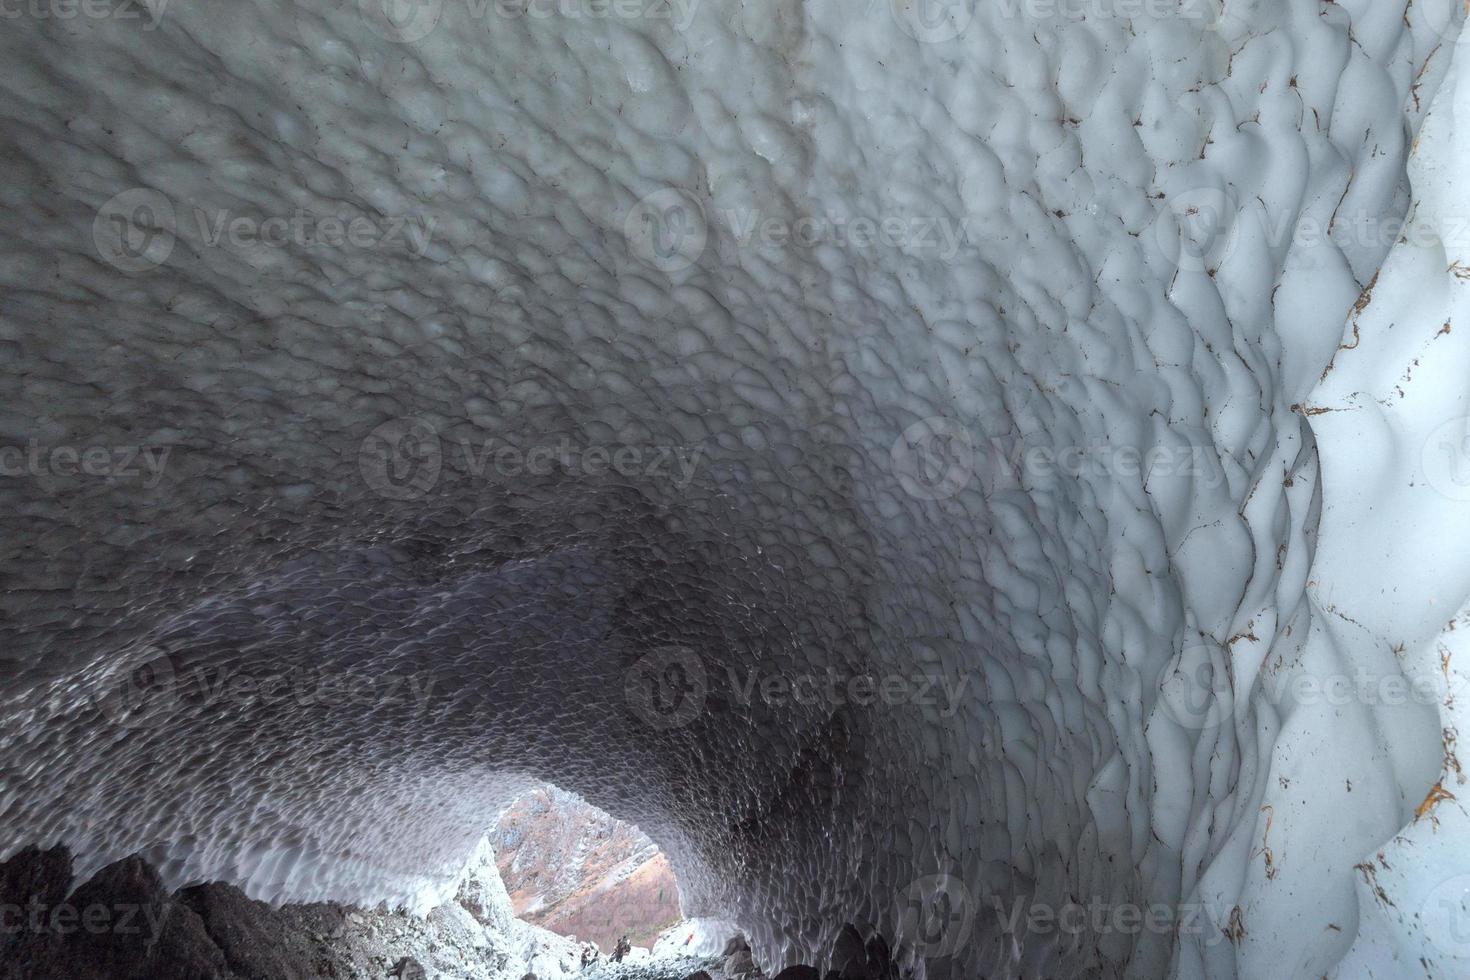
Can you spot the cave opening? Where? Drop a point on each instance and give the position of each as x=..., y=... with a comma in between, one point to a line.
x=573, y=869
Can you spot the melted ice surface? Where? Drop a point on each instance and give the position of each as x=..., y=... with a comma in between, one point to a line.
x=567, y=245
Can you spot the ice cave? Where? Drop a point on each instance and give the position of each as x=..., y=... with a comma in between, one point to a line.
x=981, y=481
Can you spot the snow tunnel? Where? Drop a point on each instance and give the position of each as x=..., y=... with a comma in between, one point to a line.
x=919, y=460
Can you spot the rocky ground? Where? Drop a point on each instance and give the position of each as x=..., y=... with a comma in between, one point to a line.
x=674, y=968
x=123, y=924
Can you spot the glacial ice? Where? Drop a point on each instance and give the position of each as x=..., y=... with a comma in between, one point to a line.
x=1169, y=295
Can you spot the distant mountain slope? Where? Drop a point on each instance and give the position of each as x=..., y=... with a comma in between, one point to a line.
x=572, y=869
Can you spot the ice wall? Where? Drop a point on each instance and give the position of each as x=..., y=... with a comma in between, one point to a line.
x=980, y=344
x=1391, y=581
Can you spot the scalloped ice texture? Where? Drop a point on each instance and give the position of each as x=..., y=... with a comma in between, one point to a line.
x=1071, y=604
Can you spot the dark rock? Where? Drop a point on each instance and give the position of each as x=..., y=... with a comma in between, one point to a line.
x=736, y=944
x=739, y=964
x=799, y=973
x=880, y=960
x=123, y=925
x=408, y=968
x=129, y=928
x=701, y=975
x=244, y=932
x=44, y=875
x=32, y=880
x=146, y=935
x=850, y=954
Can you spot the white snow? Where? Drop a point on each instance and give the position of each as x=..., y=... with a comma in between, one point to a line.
x=699, y=937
